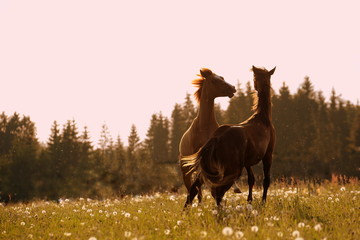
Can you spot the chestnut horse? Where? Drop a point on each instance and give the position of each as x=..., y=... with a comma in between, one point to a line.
x=232, y=147
x=210, y=86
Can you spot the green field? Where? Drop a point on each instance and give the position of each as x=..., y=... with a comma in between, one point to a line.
x=302, y=211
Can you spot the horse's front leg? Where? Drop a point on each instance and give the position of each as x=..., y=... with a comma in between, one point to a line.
x=251, y=182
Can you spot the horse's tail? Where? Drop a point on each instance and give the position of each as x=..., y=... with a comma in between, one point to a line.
x=207, y=166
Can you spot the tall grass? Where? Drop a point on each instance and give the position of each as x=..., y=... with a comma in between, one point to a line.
x=302, y=211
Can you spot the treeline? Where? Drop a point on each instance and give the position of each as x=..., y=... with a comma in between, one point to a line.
x=315, y=139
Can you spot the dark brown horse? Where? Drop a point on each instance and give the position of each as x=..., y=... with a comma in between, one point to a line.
x=232, y=147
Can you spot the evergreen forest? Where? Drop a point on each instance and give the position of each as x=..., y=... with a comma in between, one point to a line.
x=316, y=139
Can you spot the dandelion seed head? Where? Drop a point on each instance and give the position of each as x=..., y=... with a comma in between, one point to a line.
x=301, y=224
x=249, y=207
x=239, y=207
x=127, y=215
x=296, y=233
x=317, y=227
x=342, y=189
x=179, y=222
x=270, y=224
x=203, y=234
x=227, y=231
x=127, y=234
x=67, y=234
x=215, y=212
x=254, y=228
x=167, y=231
x=114, y=213
x=22, y=223
x=43, y=212
x=239, y=234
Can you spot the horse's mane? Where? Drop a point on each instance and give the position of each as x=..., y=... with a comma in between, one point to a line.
x=199, y=84
x=200, y=81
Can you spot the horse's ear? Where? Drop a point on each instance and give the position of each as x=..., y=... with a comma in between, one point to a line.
x=205, y=72
x=255, y=69
x=272, y=71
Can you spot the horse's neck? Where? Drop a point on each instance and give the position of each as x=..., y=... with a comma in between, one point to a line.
x=263, y=110
x=206, y=114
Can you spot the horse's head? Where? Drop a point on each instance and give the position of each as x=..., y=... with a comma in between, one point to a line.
x=214, y=85
x=262, y=78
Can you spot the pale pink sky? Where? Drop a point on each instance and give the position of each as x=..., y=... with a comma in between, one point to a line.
x=118, y=62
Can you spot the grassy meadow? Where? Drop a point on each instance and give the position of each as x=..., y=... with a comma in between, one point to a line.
x=302, y=211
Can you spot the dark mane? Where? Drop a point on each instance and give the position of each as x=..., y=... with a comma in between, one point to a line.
x=198, y=83
x=261, y=100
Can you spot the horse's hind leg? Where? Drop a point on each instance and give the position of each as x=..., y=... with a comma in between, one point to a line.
x=193, y=191
x=267, y=165
x=219, y=192
x=186, y=177
x=251, y=181
x=199, y=194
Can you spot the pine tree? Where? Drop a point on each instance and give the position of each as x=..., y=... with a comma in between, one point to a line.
x=234, y=113
x=189, y=112
x=23, y=154
x=177, y=129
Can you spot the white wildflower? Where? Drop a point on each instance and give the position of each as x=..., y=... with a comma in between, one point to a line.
x=67, y=234
x=22, y=223
x=280, y=234
x=167, y=231
x=342, y=189
x=127, y=215
x=92, y=238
